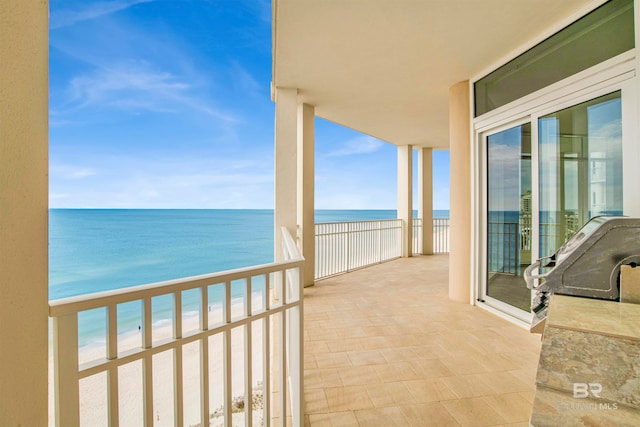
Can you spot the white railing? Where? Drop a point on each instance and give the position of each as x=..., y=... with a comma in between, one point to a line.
x=440, y=235
x=233, y=362
x=441, y=229
x=417, y=235
x=293, y=324
x=346, y=246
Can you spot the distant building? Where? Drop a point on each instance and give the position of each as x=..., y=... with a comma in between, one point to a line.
x=525, y=203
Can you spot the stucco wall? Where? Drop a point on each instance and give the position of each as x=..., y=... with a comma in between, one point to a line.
x=23, y=212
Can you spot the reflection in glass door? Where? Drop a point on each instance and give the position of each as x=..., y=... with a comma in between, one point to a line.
x=580, y=158
x=509, y=215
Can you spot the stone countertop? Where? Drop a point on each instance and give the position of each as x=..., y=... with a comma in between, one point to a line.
x=610, y=318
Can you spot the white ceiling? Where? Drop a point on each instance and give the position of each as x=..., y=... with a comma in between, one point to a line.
x=384, y=67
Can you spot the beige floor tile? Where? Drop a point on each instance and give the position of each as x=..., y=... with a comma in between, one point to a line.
x=383, y=417
x=455, y=348
x=432, y=368
x=528, y=395
x=511, y=406
x=465, y=386
x=342, y=345
x=389, y=394
x=315, y=401
x=428, y=414
x=525, y=359
x=492, y=346
x=373, y=343
x=332, y=360
x=527, y=376
x=366, y=357
x=359, y=375
x=313, y=347
x=321, y=378
x=505, y=382
x=380, y=330
x=373, y=320
x=400, y=371
x=337, y=419
x=320, y=334
x=429, y=390
x=314, y=315
x=463, y=365
x=350, y=398
x=432, y=351
x=310, y=361
x=352, y=332
x=473, y=412
x=400, y=354
x=408, y=340
x=498, y=362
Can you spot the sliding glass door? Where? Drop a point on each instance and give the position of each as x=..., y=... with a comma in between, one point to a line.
x=578, y=170
x=509, y=208
x=580, y=158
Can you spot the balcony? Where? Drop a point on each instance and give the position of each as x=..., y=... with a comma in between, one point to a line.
x=382, y=345
x=385, y=346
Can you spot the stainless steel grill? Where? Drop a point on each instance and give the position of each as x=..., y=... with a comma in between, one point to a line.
x=586, y=265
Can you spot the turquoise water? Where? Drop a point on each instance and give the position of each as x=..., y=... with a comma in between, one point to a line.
x=92, y=250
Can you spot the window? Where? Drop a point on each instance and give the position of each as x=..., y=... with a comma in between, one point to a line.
x=602, y=34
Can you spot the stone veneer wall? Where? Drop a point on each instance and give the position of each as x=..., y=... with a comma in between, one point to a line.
x=576, y=352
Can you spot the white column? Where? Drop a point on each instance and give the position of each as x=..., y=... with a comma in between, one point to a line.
x=405, y=197
x=286, y=166
x=305, y=182
x=23, y=212
x=425, y=198
x=460, y=203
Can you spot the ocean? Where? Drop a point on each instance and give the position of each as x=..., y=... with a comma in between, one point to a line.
x=93, y=250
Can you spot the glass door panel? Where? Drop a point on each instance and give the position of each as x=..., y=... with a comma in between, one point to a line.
x=580, y=159
x=509, y=215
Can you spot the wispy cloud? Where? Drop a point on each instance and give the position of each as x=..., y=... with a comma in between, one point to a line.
x=87, y=10
x=136, y=86
x=131, y=77
x=244, y=81
x=359, y=145
x=70, y=172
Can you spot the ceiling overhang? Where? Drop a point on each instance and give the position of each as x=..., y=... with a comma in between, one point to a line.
x=384, y=68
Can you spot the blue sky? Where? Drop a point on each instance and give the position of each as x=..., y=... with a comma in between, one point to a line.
x=166, y=104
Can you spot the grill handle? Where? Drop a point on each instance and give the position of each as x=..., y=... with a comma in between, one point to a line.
x=529, y=277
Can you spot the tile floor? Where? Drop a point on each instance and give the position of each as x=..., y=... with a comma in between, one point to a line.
x=384, y=346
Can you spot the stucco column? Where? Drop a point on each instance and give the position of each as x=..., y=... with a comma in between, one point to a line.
x=460, y=203
x=286, y=166
x=405, y=197
x=425, y=198
x=306, y=177
x=23, y=212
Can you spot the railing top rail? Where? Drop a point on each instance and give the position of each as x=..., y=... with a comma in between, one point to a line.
x=291, y=250
x=70, y=305
x=359, y=221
